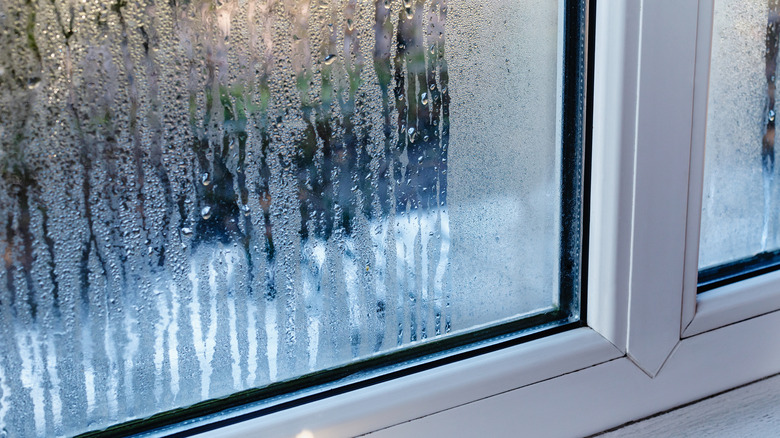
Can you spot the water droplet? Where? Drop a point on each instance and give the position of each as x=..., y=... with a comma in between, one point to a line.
x=424, y=98
x=205, y=212
x=771, y=115
x=432, y=87
x=350, y=24
x=205, y=179
x=412, y=134
x=330, y=59
x=409, y=13
x=33, y=83
x=245, y=209
x=420, y=159
x=433, y=49
x=186, y=231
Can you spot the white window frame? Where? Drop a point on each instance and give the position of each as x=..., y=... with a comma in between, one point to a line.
x=651, y=343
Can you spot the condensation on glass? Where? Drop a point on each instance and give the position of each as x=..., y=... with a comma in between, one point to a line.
x=203, y=196
x=741, y=199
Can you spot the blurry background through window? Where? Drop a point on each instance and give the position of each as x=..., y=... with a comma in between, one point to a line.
x=203, y=196
x=741, y=201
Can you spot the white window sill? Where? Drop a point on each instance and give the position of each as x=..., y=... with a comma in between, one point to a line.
x=616, y=392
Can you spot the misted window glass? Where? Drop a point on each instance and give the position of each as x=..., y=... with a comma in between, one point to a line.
x=741, y=201
x=201, y=196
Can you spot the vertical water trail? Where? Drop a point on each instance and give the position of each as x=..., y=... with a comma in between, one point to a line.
x=5, y=399
x=265, y=243
x=272, y=343
x=30, y=363
x=221, y=380
x=140, y=92
x=768, y=141
x=383, y=202
x=252, y=347
x=160, y=339
x=173, y=345
x=231, y=273
x=209, y=321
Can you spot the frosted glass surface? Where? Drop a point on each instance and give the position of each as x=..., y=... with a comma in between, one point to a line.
x=199, y=196
x=741, y=198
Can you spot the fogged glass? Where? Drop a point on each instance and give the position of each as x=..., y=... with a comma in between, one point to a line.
x=741, y=201
x=202, y=196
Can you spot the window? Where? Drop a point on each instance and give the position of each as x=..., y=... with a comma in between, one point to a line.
x=651, y=342
x=213, y=203
x=739, y=231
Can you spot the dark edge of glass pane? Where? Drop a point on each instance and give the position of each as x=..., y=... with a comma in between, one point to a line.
x=579, y=31
x=588, y=55
x=210, y=407
x=727, y=273
x=575, y=76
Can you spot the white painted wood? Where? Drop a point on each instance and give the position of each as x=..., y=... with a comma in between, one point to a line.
x=696, y=171
x=749, y=411
x=736, y=302
x=664, y=117
x=616, y=392
x=612, y=175
x=435, y=390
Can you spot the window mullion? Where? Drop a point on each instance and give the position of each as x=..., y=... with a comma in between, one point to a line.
x=663, y=136
x=701, y=85
x=611, y=190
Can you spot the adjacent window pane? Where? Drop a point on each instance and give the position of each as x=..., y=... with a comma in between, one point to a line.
x=741, y=198
x=200, y=197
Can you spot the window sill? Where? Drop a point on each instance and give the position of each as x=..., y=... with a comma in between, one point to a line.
x=438, y=390
x=735, y=302
x=616, y=392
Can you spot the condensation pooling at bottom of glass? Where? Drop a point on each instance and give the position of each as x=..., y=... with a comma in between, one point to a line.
x=201, y=197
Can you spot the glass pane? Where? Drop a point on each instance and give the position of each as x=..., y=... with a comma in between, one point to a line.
x=741, y=193
x=199, y=196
